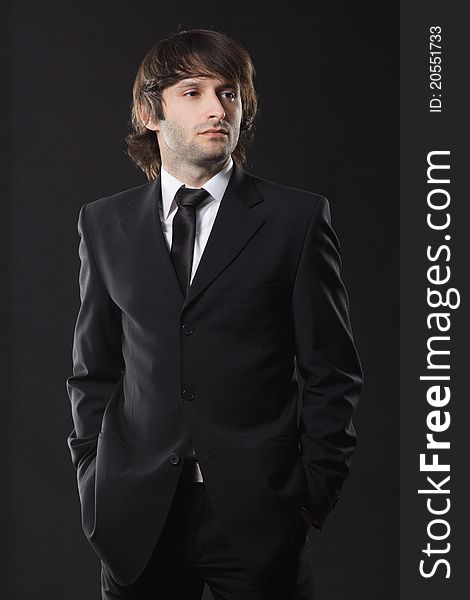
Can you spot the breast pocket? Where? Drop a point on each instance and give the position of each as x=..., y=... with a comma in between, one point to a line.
x=259, y=315
x=253, y=295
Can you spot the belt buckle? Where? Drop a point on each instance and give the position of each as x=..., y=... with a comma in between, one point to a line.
x=196, y=474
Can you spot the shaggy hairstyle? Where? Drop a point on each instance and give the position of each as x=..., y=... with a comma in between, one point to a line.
x=192, y=53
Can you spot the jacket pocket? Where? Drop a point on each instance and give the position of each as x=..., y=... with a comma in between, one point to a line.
x=286, y=474
x=283, y=449
x=265, y=293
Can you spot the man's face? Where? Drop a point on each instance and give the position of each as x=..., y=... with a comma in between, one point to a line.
x=191, y=107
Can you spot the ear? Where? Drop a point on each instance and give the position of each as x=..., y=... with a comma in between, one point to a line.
x=146, y=118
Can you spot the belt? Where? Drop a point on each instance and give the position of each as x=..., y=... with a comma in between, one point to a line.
x=192, y=470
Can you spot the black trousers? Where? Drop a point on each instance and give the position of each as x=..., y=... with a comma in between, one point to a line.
x=192, y=551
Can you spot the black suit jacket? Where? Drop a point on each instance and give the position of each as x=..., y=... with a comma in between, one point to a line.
x=256, y=365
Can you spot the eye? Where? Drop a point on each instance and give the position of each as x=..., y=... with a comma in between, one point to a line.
x=230, y=95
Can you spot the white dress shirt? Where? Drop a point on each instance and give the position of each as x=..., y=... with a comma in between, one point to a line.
x=205, y=212
x=205, y=217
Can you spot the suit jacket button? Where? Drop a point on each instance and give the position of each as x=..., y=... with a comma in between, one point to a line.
x=188, y=329
x=187, y=394
x=174, y=458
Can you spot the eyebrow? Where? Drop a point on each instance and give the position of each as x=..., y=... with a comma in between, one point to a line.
x=195, y=82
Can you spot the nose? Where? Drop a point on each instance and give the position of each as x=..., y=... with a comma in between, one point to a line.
x=214, y=108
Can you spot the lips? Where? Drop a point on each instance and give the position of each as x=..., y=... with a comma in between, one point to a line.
x=220, y=131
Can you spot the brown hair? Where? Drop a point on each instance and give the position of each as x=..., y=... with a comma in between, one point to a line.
x=188, y=54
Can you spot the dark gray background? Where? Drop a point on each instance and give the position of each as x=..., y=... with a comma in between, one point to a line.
x=327, y=78
x=423, y=132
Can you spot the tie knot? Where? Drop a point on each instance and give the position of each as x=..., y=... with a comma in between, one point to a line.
x=190, y=197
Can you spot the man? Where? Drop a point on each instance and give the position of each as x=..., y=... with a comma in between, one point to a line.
x=207, y=296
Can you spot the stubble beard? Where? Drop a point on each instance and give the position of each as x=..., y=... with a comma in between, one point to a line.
x=184, y=148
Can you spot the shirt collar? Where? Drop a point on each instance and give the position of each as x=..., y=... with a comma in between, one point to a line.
x=216, y=187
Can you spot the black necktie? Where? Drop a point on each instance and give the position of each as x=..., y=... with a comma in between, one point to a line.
x=184, y=232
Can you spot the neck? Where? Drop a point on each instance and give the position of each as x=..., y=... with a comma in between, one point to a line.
x=194, y=175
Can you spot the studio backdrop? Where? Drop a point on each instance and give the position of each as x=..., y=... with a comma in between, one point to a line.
x=327, y=80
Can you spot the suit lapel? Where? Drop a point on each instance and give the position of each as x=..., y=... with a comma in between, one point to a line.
x=234, y=225
x=142, y=226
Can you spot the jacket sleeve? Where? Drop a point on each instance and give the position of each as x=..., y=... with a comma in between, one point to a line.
x=96, y=353
x=328, y=364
